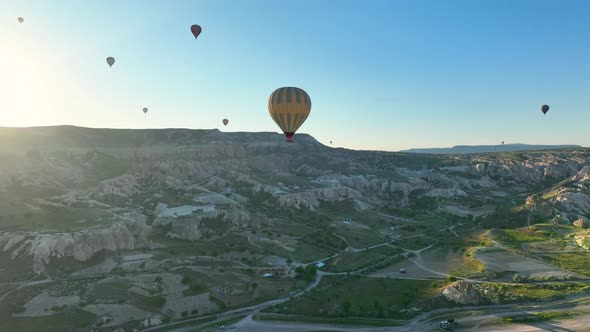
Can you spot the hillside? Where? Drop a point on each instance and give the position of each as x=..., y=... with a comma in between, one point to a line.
x=457, y=149
x=125, y=229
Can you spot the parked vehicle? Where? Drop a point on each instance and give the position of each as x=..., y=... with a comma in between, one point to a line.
x=447, y=325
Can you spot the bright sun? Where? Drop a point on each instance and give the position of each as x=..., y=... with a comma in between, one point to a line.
x=29, y=84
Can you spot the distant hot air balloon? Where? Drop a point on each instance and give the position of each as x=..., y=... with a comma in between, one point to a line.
x=111, y=61
x=145, y=110
x=502, y=142
x=21, y=20
x=545, y=109
x=225, y=122
x=330, y=142
x=289, y=107
x=196, y=30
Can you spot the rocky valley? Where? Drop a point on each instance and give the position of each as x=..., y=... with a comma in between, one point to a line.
x=156, y=230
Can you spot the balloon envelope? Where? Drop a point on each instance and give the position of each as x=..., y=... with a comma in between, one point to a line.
x=196, y=30
x=545, y=109
x=110, y=61
x=225, y=122
x=145, y=110
x=289, y=107
x=21, y=20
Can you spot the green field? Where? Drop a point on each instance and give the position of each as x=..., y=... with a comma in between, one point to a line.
x=69, y=320
x=539, y=292
x=574, y=262
x=364, y=297
x=415, y=243
x=359, y=237
x=349, y=261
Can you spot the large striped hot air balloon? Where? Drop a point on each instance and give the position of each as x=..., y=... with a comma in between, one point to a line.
x=289, y=107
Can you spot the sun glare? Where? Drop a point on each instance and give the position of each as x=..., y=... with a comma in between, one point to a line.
x=30, y=84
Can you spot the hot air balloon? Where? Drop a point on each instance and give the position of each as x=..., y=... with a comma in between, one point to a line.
x=289, y=107
x=502, y=142
x=330, y=142
x=225, y=122
x=145, y=110
x=196, y=30
x=21, y=20
x=545, y=109
x=111, y=61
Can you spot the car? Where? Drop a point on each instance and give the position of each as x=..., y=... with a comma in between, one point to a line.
x=402, y=271
x=447, y=325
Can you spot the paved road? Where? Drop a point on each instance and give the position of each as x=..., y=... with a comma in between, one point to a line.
x=479, y=318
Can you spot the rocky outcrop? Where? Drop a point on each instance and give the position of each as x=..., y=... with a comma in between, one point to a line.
x=80, y=245
x=136, y=223
x=448, y=193
x=238, y=218
x=165, y=215
x=573, y=201
x=462, y=292
x=187, y=229
x=89, y=242
x=583, y=240
x=583, y=222
x=538, y=206
x=311, y=199
x=531, y=171
x=123, y=186
x=583, y=177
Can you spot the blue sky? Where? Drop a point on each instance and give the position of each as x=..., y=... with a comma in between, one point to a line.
x=384, y=75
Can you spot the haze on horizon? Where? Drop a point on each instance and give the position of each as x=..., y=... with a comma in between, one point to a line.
x=391, y=75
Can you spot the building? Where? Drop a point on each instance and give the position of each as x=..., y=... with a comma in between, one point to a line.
x=319, y=265
x=267, y=275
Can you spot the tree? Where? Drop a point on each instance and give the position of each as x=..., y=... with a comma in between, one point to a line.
x=346, y=306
